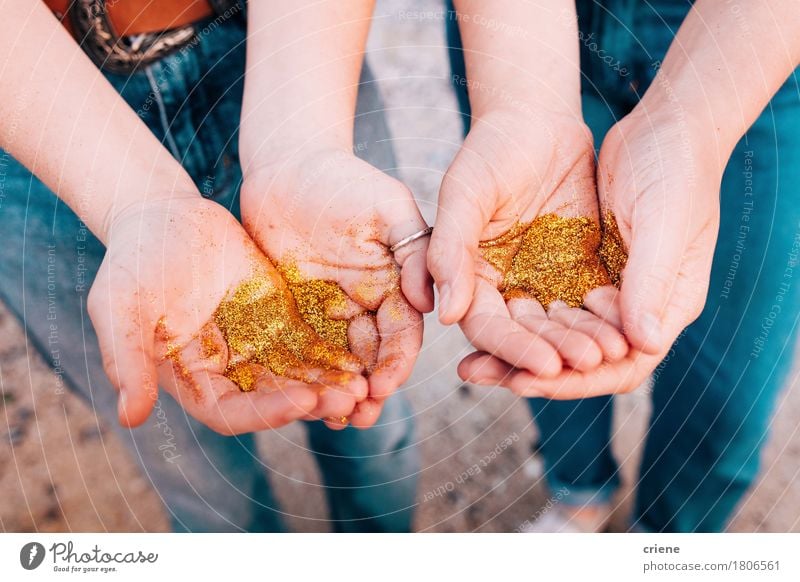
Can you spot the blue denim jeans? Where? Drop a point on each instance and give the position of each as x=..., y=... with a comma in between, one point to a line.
x=191, y=101
x=714, y=394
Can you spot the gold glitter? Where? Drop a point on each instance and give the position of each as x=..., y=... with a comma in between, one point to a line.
x=551, y=258
x=315, y=300
x=173, y=353
x=261, y=324
x=372, y=290
x=242, y=375
x=612, y=248
x=210, y=348
x=500, y=251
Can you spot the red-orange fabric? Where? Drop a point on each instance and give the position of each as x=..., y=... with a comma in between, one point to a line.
x=141, y=16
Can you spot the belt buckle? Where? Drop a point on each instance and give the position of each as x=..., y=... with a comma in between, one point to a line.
x=121, y=54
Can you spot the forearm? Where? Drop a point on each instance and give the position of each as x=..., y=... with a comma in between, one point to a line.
x=725, y=64
x=63, y=121
x=303, y=66
x=521, y=53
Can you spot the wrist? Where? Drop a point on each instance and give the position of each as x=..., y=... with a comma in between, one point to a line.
x=289, y=125
x=282, y=157
x=663, y=110
x=258, y=152
x=540, y=123
x=695, y=111
x=526, y=99
x=125, y=208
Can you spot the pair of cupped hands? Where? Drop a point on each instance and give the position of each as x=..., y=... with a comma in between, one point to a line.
x=172, y=260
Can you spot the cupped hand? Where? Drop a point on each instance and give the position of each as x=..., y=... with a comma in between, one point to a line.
x=661, y=178
x=169, y=267
x=516, y=170
x=327, y=219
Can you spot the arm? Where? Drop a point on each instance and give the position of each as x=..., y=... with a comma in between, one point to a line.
x=300, y=89
x=660, y=171
x=63, y=120
x=725, y=65
x=528, y=154
x=321, y=213
x=718, y=75
x=68, y=125
x=521, y=52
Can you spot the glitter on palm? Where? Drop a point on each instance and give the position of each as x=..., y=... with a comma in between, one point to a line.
x=556, y=258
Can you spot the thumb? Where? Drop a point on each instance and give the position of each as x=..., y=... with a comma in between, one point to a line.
x=126, y=347
x=647, y=284
x=655, y=236
x=463, y=212
x=655, y=252
x=403, y=220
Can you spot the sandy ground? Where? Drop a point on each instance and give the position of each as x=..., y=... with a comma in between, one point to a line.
x=62, y=470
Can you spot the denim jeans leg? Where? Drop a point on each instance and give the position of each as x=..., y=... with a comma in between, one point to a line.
x=47, y=263
x=370, y=475
x=575, y=443
x=714, y=397
x=575, y=436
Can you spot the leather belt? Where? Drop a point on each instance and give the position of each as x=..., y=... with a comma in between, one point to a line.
x=122, y=35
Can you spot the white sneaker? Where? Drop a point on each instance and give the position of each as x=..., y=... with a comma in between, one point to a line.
x=570, y=520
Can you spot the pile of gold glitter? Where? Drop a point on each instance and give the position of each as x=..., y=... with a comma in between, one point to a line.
x=316, y=299
x=262, y=325
x=556, y=258
x=612, y=248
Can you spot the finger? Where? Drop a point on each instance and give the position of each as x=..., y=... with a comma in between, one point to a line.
x=363, y=338
x=345, y=308
x=368, y=286
x=484, y=368
x=400, y=330
x=647, y=284
x=282, y=363
x=208, y=350
x=604, y=303
x=339, y=394
x=655, y=250
x=236, y=412
x=336, y=422
x=620, y=377
x=610, y=340
x=127, y=350
x=366, y=413
x=578, y=350
x=325, y=355
x=465, y=201
x=333, y=403
x=415, y=280
x=489, y=327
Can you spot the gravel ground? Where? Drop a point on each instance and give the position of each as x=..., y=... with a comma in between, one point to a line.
x=61, y=469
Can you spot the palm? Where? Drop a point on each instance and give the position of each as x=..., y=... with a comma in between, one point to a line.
x=532, y=168
x=329, y=219
x=513, y=173
x=166, y=272
x=672, y=219
x=665, y=200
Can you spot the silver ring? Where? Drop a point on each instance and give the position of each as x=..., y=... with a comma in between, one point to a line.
x=411, y=238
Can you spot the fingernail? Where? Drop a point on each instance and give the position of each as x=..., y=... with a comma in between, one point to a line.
x=481, y=378
x=651, y=328
x=444, y=300
x=121, y=404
